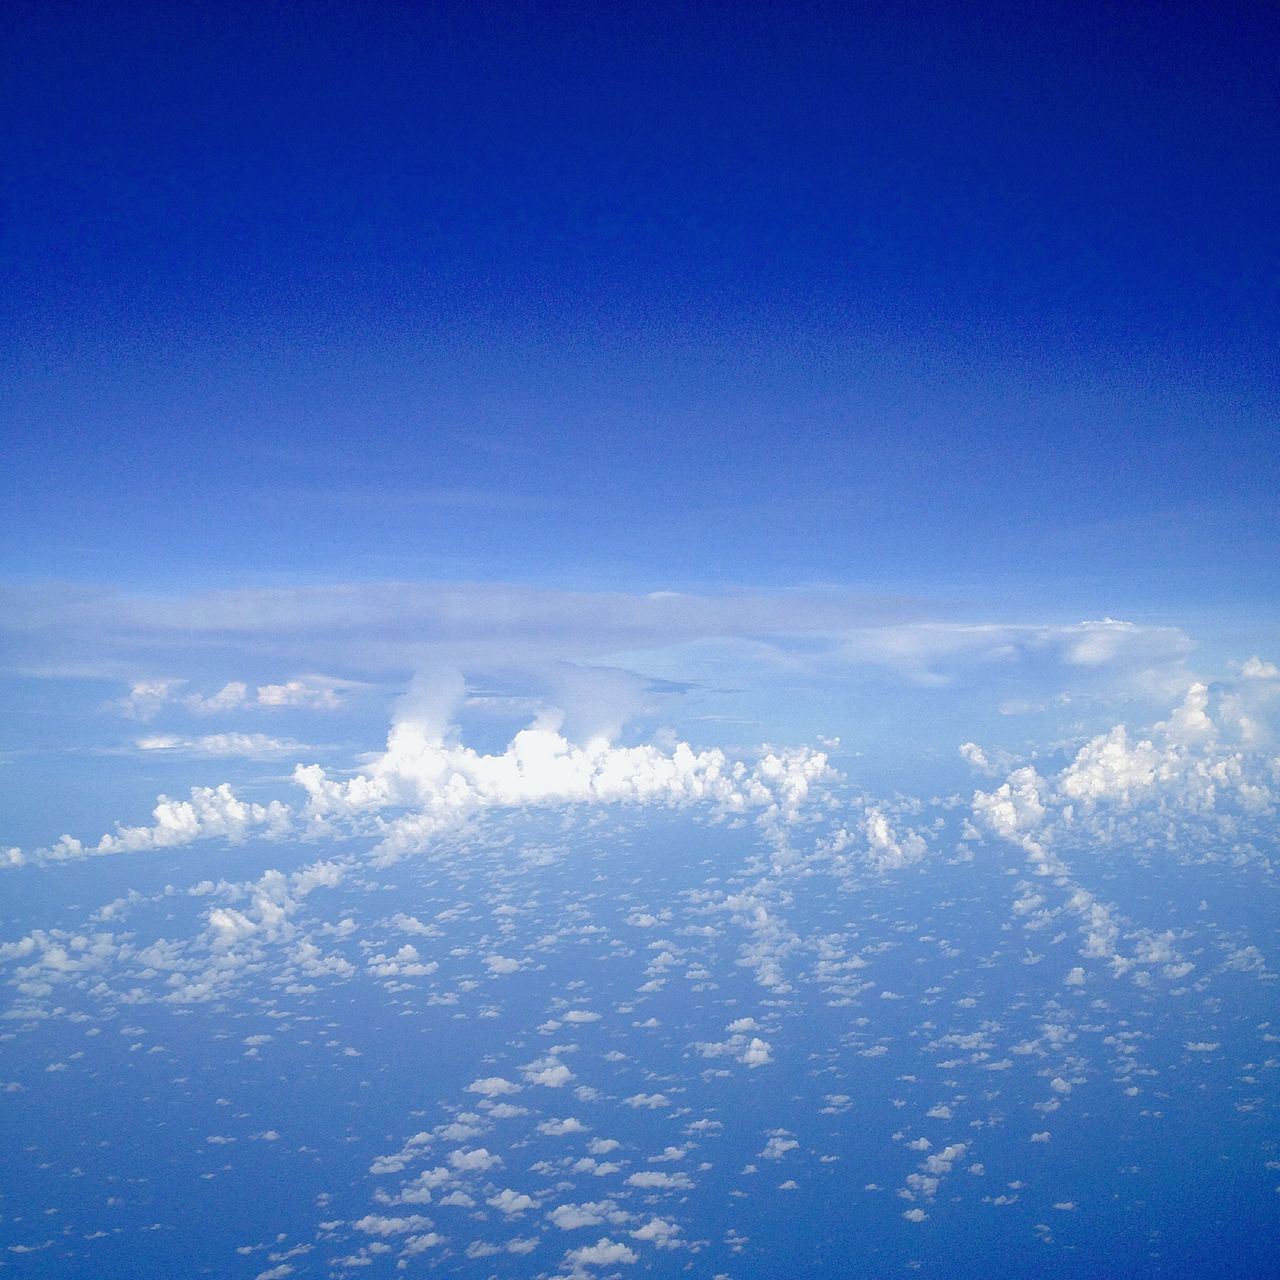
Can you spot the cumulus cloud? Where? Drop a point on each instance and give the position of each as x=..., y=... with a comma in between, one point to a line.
x=1182, y=766
x=147, y=697
x=572, y=1217
x=377, y=1225
x=211, y=812
x=437, y=783
x=549, y=1072
x=493, y=1087
x=751, y=1051
x=560, y=1128
x=604, y=1253
x=877, y=841
x=659, y=1232
x=511, y=1202
x=1185, y=780
x=778, y=1146
x=430, y=784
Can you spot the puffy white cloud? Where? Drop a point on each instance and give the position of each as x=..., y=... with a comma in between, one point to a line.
x=886, y=849
x=434, y=786
x=751, y=1051
x=1181, y=768
x=549, y=1072
x=572, y=1217
x=1255, y=669
x=512, y=1202
x=473, y=1160
x=560, y=1128
x=656, y=1180
x=659, y=1232
x=211, y=812
x=942, y=1161
x=299, y=693
x=376, y=1225
x=1014, y=810
x=146, y=697
x=233, y=694
x=493, y=1087
x=604, y=1253
x=421, y=1243
x=406, y=963
x=778, y=1146
x=438, y=783
x=652, y=1101
x=874, y=841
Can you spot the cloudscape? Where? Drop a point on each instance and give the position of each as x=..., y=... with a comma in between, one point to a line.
x=640, y=640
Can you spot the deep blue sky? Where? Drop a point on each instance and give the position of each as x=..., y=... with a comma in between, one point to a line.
x=882, y=395
x=926, y=297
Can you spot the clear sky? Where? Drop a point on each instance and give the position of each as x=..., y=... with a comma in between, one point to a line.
x=966, y=300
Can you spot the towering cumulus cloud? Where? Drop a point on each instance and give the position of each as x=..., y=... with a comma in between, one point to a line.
x=423, y=784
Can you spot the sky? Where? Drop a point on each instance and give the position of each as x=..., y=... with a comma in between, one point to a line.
x=445, y=445
x=647, y=298
x=835, y=319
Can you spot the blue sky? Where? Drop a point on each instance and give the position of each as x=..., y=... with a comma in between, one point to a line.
x=622, y=624
x=650, y=299
x=835, y=323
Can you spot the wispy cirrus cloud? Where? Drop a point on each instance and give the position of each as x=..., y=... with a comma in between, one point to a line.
x=388, y=631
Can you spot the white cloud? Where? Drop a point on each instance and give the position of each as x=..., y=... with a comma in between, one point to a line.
x=212, y=812
x=146, y=697
x=572, y=1217
x=656, y=1180
x=473, y=1160
x=493, y=1087
x=299, y=693
x=438, y=783
x=652, y=1101
x=604, y=1253
x=250, y=746
x=512, y=1202
x=1255, y=669
x=436, y=786
x=659, y=1232
x=233, y=694
x=560, y=1128
x=549, y=1072
x=778, y=1146
x=750, y=1051
x=942, y=1161
x=1181, y=767
x=376, y=1225
x=1178, y=785
x=886, y=849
